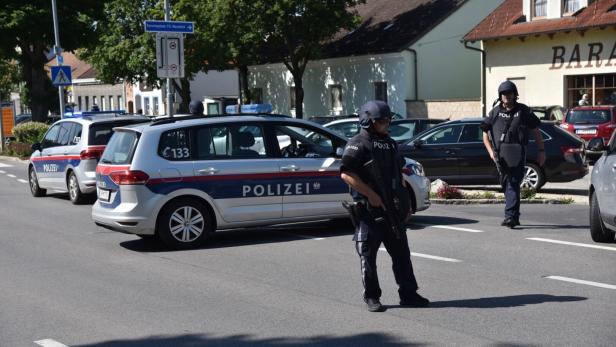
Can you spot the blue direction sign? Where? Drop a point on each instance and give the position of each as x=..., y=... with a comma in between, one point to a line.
x=61, y=75
x=161, y=26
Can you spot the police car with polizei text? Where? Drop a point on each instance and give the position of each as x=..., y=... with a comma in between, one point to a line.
x=181, y=179
x=66, y=158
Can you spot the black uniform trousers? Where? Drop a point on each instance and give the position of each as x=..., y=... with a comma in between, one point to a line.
x=369, y=236
x=511, y=189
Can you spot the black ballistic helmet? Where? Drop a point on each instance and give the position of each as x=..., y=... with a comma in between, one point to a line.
x=373, y=110
x=507, y=86
x=195, y=107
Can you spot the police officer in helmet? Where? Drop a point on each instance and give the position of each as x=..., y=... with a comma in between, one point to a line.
x=505, y=136
x=372, y=168
x=195, y=108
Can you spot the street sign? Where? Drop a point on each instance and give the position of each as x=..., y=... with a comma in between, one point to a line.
x=169, y=55
x=161, y=26
x=61, y=75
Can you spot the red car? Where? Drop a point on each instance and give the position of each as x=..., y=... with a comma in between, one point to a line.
x=589, y=122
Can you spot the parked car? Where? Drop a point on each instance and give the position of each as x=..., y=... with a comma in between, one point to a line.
x=27, y=117
x=589, y=122
x=181, y=179
x=401, y=130
x=552, y=113
x=66, y=158
x=454, y=152
x=332, y=118
x=602, y=191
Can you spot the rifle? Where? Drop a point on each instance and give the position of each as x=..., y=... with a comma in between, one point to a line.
x=391, y=203
x=497, y=163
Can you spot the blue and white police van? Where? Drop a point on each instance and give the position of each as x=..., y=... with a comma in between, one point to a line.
x=66, y=158
x=181, y=179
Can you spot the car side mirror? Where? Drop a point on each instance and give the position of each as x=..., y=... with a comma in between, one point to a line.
x=596, y=145
x=36, y=147
x=339, y=152
x=417, y=143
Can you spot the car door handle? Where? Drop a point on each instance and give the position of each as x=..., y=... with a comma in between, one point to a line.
x=450, y=151
x=208, y=171
x=290, y=168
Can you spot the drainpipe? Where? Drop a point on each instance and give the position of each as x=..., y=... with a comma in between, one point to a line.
x=416, y=85
x=483, y=76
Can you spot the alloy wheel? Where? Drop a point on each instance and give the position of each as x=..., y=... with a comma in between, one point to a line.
x=186, y=224
x=531, y=178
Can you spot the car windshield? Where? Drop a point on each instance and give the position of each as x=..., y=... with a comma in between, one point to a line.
x=100, y=133
x=402, y=131
x=588, y=116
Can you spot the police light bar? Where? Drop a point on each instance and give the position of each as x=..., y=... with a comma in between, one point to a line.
x=79, y=114
x=250, y=108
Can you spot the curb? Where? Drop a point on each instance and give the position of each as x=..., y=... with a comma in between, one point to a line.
x=496, y=201
x=5, y=157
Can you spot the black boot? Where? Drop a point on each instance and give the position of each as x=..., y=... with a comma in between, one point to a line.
x=510, y=223
x=413, y=300
x=374, y=305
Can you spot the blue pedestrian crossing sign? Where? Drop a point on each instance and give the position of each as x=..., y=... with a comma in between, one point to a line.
x=61, y=75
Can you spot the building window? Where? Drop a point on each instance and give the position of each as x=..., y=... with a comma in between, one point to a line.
x=79, y=103
x=94, y=101
x=256, y=95
x=103, y=104
x=292, y=97
x=380, y=91
x=570, y=6
x=335, y=97
x=601, y=89
x=110, y=102
x=146, y=106
x=540, y=8
x=120, y=103
x=155, y=106
x=87, y=104
x=212, y=108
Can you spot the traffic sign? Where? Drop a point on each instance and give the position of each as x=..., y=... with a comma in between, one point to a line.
x=169, y=55
x=161, y=26
x=61, y=75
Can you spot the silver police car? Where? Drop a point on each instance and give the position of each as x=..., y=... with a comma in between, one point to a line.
x=66, y=158
x=602, y=191
x=181, y=179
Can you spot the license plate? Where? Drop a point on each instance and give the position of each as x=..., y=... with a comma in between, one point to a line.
x=104, y=194
x=586, y=131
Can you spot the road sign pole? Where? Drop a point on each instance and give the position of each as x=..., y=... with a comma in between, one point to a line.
x=169, y=92
x=56, y=32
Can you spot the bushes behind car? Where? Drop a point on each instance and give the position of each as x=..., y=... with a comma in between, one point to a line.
x=30, y=132
x=26, y=134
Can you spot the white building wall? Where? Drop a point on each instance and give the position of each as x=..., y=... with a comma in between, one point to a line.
x=355, y=75
x=214, y=84
x=446, y=69
x=533, y=60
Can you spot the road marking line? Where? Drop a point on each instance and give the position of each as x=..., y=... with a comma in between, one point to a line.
x=589, y=283
x=428, y=256
x=2, y=172
x=22, y=180
x=572, y=243
x=448, y=227
x=5, y=165
x=11, y=175
x=49, y=343
x=304, y=236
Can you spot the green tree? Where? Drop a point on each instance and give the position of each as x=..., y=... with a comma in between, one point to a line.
x=245, y=32
x=124, y=51
x=26, y=28
x=9, y=78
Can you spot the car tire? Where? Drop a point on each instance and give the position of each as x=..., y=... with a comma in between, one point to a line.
x=598, y=230
x=533, y=177
x=74, y=193
x=184, y=223
x=35, y=189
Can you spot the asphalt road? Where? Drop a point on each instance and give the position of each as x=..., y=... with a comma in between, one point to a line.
x=65, y=280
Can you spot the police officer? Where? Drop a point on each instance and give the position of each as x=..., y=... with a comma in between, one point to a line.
x=508, y=124
x=373, y=146
x=196, y=108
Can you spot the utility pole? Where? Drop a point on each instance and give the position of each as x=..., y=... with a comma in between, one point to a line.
x=58, y=52
x=169, y=92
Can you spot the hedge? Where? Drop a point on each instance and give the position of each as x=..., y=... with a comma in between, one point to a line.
x=30, y=132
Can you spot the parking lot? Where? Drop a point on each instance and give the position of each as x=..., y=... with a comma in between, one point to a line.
x=68, y=281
